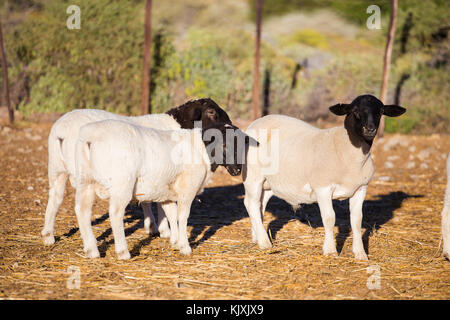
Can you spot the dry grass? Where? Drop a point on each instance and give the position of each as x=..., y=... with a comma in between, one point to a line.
x=402, y=236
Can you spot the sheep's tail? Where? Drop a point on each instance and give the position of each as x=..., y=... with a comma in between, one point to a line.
x=83, y=161
x=55, y=144
x=86, y=154
x=59, y=147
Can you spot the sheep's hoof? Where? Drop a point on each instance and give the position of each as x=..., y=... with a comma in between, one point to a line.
x=265, y=245
x=151, y=230
x=164, y=233
x=123, y=255
x=92, y=253
x=174, y=243
x=361, y=256
x=186, y=250
x=330, y=252
x=48, y=239
x=447, y=254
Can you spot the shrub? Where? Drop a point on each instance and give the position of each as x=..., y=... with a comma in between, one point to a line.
x=310, y=37
x=96, y=66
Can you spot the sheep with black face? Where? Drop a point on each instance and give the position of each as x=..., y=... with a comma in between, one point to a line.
x=204, y=110
x=64, y=134
x=315, y=165
x=120, y=161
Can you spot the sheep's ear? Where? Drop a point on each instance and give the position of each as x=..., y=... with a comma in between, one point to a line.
x=196, y=114
x=393, y=110
x=341, y=109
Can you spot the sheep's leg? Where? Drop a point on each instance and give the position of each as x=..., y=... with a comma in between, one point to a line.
x=328, y=219
x=116, y=213
x=184, y=208
x=56, y=196
x=266, y=195
x=84, y=199
x=253, y=204
x=149, y=219
x=163, y=226
x=446, y=230
x=356, y=203
x=170, y=209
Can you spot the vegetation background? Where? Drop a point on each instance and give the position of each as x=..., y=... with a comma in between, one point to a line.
x=314, y=54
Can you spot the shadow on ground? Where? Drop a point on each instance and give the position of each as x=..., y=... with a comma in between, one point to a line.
x=221, y=206
x=133, y=215
x=375, y=213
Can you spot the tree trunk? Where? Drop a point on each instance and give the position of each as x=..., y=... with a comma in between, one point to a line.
x=5, y=78
x=145, y=98
x=387, y=60
x=255, y=99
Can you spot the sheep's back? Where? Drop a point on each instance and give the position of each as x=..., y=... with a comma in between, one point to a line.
x=159, y=121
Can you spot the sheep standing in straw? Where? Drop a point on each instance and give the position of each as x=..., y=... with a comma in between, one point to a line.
x=315, y=165
x=64, y=134
x=120, y=161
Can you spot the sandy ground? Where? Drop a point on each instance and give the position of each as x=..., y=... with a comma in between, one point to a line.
x=401, y=234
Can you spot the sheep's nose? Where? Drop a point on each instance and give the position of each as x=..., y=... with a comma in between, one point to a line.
x=370, y=130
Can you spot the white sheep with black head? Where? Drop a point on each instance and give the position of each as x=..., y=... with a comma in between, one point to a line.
x=315, y=165
x=121, y=161
x=64, y=134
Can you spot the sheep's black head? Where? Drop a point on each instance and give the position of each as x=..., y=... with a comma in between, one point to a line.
x=365, y=112
x=225, y=142
x=204, y=110
x=226, y=145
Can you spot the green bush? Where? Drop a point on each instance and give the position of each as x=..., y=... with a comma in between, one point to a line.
x=96, y=66
x=197, y=72
x=403, y=124
x=99, y=66
x=219, y=65
x=197, y=52
x=352, y=10
x=310, y=38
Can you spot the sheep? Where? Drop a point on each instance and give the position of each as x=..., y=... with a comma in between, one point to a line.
x=315, y=165
x=121, y=161
x=446, y=215
x=64, y=134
